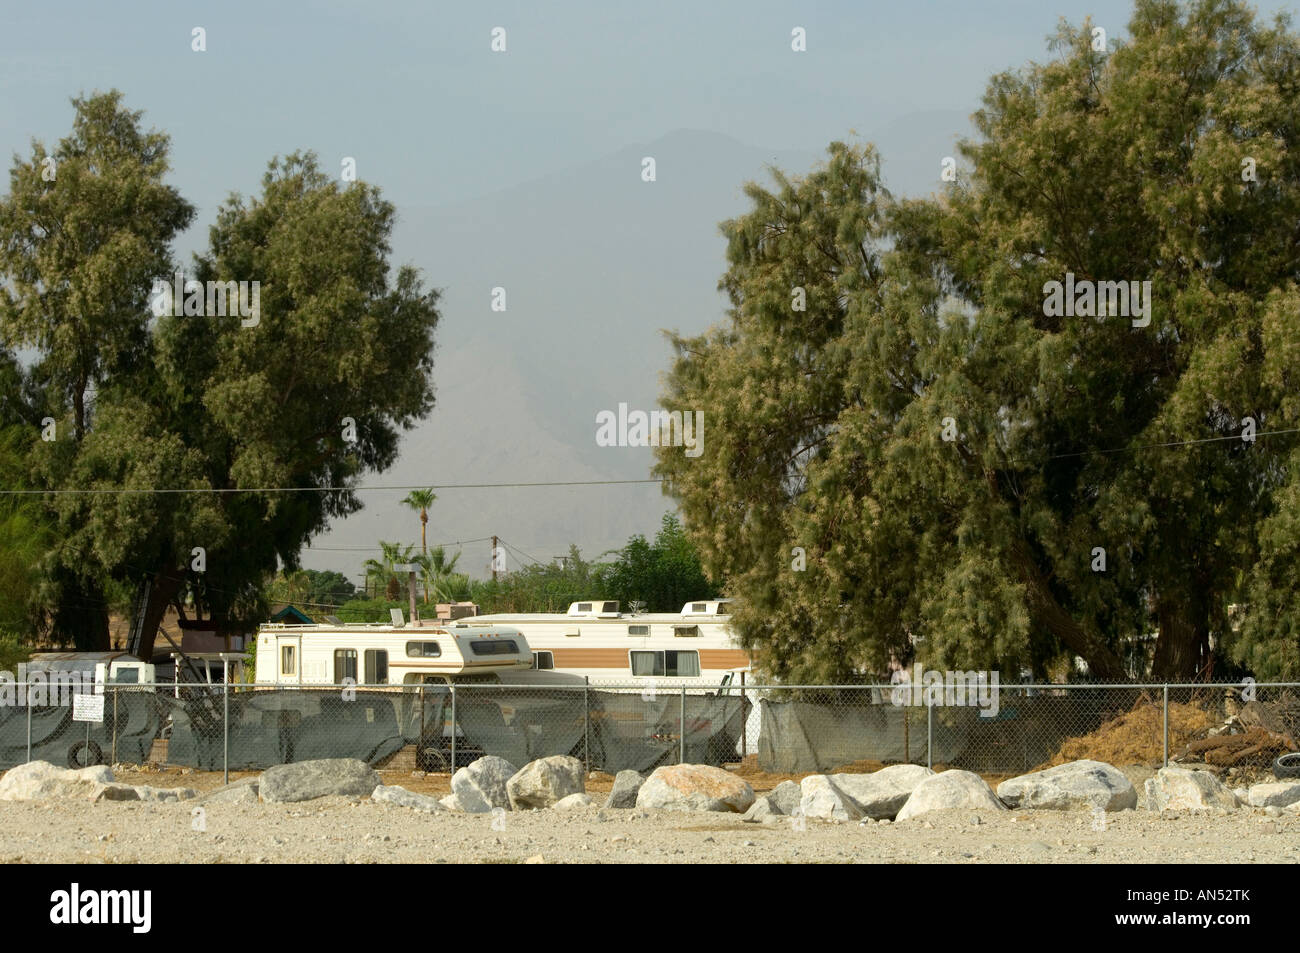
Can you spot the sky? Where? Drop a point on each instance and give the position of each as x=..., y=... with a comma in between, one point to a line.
x=480, y=150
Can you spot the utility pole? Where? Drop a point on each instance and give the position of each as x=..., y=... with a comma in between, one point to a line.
x=494, y=558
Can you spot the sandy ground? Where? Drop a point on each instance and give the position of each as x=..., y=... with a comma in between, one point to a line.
x=343, y=830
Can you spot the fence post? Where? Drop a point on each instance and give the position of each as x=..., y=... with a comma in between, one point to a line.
x=225, y=730
x=929, y=732
x=586, y=722
x=113, y=756
x=27, y=693
x=419, y=742
x=681, y=730
x=453, y=727
x=907, y=734
x=744, y=720
x=1166, y=721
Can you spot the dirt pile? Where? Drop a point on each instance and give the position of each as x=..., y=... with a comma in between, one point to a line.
x=1137, y=736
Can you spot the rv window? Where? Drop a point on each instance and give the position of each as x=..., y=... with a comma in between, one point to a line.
x=722, y=609
x=543, y=661
x=345, y=665
x=494, y=647
x=666, y=664
x=376, y=666
x=610, y=607
x=682, y=664
x=699, y=606
x=127, y=676
x=638, y=630
x=423, y=650
x=584, y=606
x=645, y=663
x=287, y=660
x=686, y=631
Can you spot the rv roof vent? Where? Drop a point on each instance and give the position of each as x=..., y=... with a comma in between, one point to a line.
x=333, y=620
x=396, y=616
x=717, y=607
x=603, y=609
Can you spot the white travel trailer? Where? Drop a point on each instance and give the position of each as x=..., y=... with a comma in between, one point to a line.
x=416, y=653
x=693, y=648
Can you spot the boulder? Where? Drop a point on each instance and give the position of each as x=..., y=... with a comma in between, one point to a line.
x=1274, y=794
x=243, y=791
x=627, y=784
x=114, y=792
x=1076, y=786
x=951, y=789
x=822, y=799
x=394, y=794
x=695, y=787
x=139, y=792
x=543, y=782
x=147, y=793
x=38, y=780
x=882, y=793
x=1178, y=789
x=762, y=811
x=451, y=803
x=785, y=797
x=306, y=780
x=573, y=802
x=481, y=786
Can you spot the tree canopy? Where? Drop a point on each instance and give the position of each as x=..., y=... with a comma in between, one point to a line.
x=311, y=393
x=929, y=460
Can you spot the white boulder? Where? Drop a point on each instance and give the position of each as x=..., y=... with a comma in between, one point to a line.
x=1076, y=786
x=1178, y=789
x=481, y=786
x=573, y=802
x=544, y=782
x=1274, y=794
x=951, y=789
x=401, y=797
x=38, y=780
x=695, y=787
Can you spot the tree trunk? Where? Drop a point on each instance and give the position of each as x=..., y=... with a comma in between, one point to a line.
x=1183, y=644
x=1048, y=612
x=166, y=584
x=82, y=617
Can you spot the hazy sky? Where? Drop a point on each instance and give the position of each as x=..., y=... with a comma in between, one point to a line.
x=440, y=123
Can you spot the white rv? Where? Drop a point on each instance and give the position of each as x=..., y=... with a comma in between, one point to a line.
x=414, y=653
x=693, y=648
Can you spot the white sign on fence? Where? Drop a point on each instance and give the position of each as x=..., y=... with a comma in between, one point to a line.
x=87, y=707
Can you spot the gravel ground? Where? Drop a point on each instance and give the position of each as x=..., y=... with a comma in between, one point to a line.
x=343, y=830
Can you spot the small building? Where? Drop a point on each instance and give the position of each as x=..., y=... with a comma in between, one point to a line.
x=291, y=615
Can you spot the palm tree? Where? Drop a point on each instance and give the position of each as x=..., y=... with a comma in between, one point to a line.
x=438, y=572
x=382, y=568
x=421, y=500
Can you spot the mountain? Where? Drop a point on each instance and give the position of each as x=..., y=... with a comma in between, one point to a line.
x=594, y=262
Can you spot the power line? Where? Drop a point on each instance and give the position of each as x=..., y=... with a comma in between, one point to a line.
x=377, y=549
x=515, y=549
x=1176, y=443
x=121, y=491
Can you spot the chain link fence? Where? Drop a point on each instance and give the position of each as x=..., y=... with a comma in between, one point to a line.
x=999, y=730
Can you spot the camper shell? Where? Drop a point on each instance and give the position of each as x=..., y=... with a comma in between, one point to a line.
x=107, y=668
x=693, y=649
